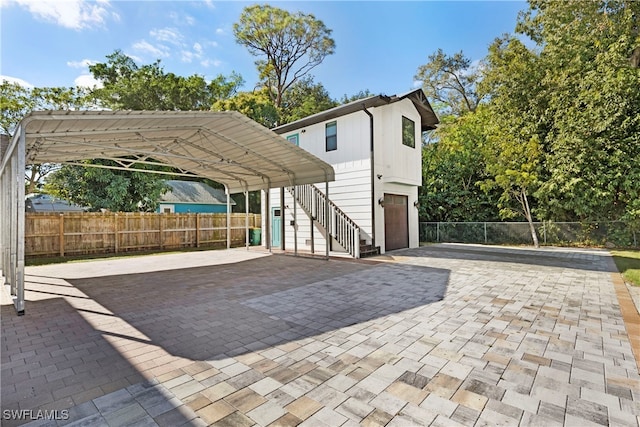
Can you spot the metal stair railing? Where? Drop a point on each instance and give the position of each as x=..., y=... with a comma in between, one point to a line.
x=337, y=224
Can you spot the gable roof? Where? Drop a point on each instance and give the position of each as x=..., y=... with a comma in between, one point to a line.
x=194, y=192
x=419, y=99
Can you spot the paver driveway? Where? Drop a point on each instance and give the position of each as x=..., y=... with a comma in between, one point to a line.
x=443, y=335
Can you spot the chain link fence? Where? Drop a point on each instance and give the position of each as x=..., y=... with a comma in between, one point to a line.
x=607, y=234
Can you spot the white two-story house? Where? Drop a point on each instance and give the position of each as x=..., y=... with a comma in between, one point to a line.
x=374, y=146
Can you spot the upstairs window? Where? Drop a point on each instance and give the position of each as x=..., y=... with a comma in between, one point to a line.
x=331, y=136
x=408, y=132
x=293, y=139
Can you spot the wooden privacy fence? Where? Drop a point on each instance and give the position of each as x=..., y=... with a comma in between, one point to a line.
x=57, y=234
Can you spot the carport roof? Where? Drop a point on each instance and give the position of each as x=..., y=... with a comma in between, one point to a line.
x=226, y=147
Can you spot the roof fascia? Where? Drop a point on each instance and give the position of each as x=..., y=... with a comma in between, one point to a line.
x=342, y=110
x=417, y=96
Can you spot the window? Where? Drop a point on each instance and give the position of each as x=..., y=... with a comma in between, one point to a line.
x=331, y=134
x=408, y=132
x=293, y=139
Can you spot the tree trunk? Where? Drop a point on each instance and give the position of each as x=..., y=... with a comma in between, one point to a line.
x=527, y=213
x=32, y=179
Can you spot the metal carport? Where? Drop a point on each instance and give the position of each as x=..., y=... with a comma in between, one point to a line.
x=226, y=147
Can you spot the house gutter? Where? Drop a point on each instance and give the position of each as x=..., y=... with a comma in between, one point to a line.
x=373, y=176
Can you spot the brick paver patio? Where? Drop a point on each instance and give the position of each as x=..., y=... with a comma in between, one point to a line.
x=444, y=335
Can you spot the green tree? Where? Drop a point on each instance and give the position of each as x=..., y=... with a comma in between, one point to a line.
x=16, y=101
x=514, y=127
x=452, y=169
x=451, y=81
x=356, y=96
x=126, y=85
x=289, y=45
x=303, y=99
x=256, y=105
x=591, y=89
x=99, y=188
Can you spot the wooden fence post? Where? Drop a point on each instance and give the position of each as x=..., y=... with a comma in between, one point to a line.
x=197, y=230
x=161, y=231
x=61, y=238
x=116, y=237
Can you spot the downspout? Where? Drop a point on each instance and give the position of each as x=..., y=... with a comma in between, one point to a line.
x=373, y=182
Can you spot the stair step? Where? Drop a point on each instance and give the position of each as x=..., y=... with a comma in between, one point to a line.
x=369, y=250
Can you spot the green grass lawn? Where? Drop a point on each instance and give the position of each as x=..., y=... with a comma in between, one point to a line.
x=628, y=263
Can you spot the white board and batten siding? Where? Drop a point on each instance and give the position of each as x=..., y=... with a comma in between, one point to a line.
x=351, y=191
x=399, y=165
x=396, y=162
x=400, y=168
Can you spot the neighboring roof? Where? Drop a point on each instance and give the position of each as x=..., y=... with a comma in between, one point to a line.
x=225, y=147
x=194, y=192
x=48, y=203
x=419, y=99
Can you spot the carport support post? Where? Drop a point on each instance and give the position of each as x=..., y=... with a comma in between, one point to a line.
x=267, y=219
x=282, y=227
x=246, y=219
x=226, y=190
x=20, y=224
x=295, y=220
x=328, y=218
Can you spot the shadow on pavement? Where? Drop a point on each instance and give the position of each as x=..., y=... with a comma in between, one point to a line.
x=212, y=312
x=200, y=313
x=581, y=259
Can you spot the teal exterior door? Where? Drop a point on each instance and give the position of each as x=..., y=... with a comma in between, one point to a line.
x=276, y=230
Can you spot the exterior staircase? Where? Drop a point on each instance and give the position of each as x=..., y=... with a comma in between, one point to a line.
x=332, y=220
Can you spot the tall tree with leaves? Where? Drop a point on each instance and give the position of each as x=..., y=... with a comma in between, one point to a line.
x=16, y=101
x=127, y=85
x=289, y=45
x=256, y=105
x=514, y=127
x=451, y=80
x=99, y=188
x=304, y=98
x=453, y=161
x=453, y=168
x=591, y=89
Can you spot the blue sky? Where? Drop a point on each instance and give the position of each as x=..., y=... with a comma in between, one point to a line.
x=379, y=44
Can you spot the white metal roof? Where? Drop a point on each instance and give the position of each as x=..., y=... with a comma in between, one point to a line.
x=226, y=147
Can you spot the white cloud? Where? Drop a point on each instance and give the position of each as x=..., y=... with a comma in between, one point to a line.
x=182, y=19
x=210, y=62
x=16, y=80
x=85, y=63
x=87, y=80
x=220, y=31
x=170, y=35
x=187, y=56
x=190, y=55
x=73, y=14
x=147, y=48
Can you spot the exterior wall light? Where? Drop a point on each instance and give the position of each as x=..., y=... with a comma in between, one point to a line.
x=381, y=201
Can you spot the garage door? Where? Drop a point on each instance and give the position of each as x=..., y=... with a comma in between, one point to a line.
x=396, y=222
